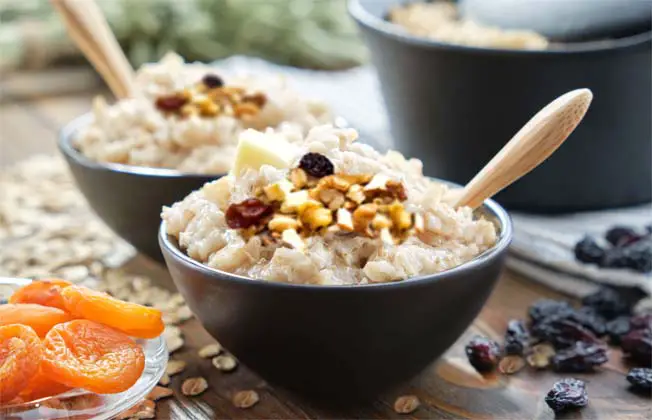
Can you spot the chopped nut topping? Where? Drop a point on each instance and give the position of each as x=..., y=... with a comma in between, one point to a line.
x=298, y=202
x=281, y=222
x=377, y=183
x=210, y=98
x=363, y=215
x=345, y=220
x=381, y=221
x=298, y=177
x=292, y=238
x=419, y=223
x=317, y=217
x=401, y=218
x=278, y=191
x=356, y=194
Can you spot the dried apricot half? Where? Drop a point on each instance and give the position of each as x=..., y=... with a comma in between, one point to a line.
x=21, y=352
x=130, y=318
x=40, y=318
x=86, y=354
x=45, y=292
x=42, y=386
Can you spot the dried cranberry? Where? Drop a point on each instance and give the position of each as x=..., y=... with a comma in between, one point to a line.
x=567, y=393
x=171, y=103
x=544, y=308
x=641, y=379
x=621, y=236
x=608, y=302
x=637, y=344
x=582, y=357
x=617, y=328
x=212, y=81
x=588, y=251
x=516, y=337
x=483, y=353
x=562, y=332
x=246, y=213
x=317, y=165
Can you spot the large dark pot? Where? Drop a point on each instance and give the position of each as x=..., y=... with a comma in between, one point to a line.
x=454, y=107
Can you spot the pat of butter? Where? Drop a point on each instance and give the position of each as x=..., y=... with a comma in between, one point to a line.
x=256, y=149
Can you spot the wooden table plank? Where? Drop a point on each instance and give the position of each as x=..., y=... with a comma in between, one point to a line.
x=449, y=388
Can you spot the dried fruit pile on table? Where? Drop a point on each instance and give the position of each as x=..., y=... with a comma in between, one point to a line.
x=627, y=249
x=572, y=340
x=56, y=336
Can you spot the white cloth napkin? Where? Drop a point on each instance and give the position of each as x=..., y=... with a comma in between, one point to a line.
x=542, y=249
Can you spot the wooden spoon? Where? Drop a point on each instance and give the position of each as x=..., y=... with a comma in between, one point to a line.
x=89, y=29
x=533, y=144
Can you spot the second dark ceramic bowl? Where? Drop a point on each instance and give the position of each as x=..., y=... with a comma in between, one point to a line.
x=339, y=343
x=454, y=107
x=127, y=198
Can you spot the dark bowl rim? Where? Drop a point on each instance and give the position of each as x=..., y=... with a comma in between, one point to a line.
x=496, y=210
x=67, y=133
x=393, y=31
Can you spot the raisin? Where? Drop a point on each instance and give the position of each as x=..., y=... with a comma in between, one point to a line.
x=589, y=319
x=640, y=322
x=621, y=236
x=212, y=81
x=641, y=379
x=637, y=344
x=617, y=328
x=567, y=393
x=545, y=308
x=588, y=251
x=246, y=213
x=316, y=165
x=637, y=257
x=516, y=337
x=483, y=353
x=562, y=332
x=582, y=357
x=171, y=103
x=608, y=302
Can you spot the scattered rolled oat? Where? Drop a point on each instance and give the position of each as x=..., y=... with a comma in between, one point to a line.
x=165, y=380
x=511, y=364
x=245, y=399
x=159, y=392
x=225, y=363
x=174, y=343
x=175, y=367
x=406, y=404
x=540, y=355
x=194, y=386
x=210, y=350
x=145, y=409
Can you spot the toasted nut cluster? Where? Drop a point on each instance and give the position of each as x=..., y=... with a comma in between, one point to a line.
x=306, y=205
x=210, y=98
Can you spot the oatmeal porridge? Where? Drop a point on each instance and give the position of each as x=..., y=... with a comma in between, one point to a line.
x=327, y=210
x=185, y=116
x=439, y=20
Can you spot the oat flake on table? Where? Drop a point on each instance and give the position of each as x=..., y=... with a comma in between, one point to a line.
x=48, y=230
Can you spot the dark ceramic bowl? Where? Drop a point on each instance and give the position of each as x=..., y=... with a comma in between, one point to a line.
x=127, y=198
x=339, y=343
x=455, y=106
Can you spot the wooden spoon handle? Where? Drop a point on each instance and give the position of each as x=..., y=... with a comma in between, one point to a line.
x=533, y=144
x=88, y=28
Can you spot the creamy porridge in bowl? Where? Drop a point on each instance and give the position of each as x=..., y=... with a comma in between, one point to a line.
x=328, y=268
x=187, y=116
x=327, y=210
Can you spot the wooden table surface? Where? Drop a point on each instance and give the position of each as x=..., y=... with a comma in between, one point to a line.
x=449, y=388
